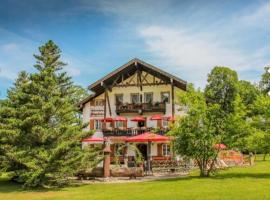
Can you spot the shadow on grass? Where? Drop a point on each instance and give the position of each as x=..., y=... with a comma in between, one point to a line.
x=220, y=176
x=7, y=186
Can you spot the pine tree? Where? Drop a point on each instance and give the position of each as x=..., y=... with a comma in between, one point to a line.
x=40, y=132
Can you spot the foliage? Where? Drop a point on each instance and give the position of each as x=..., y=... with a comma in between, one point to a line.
x=197, y=132
x=248, y=92
x=78, y=93
x=222, y=88
x=40, y=132
x=121, y=148
x=92, y=156
x=259, y=140
x=265, y=81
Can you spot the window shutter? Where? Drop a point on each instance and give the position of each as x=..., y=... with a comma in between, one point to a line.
x=159, y=123
x=92, y=103
x=92, y=127
x=125, y=124
x=159, y=149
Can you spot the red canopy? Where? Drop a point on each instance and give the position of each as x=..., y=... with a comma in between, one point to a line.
x=156, y=117
x=93, y=139
x=220, y=146
x=120, y=118
x=107, y=119
x=148, y=137
x=170, y=118
x=138, y=119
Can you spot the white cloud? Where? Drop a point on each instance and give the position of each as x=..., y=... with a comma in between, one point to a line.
x=195, y=54
x=5, y=73
x=257, y=16
x=72, y=71
x=9, y=47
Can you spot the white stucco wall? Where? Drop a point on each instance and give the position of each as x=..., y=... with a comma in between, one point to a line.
x=126, y=91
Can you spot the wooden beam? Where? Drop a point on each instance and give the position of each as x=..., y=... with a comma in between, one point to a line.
x=108, y=100
x=144, y=84
x=105, y=105
x=172, y=86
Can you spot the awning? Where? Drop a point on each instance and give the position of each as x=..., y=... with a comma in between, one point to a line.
x=120, y=118
x=148, y=137
x=107, y=119
x=138, y=119
x=156, y=117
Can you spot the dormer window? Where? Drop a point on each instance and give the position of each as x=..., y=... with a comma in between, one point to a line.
x=135, y=98
x=165, y=97
x=99, y=102
x=148, y=97
x=118, y=99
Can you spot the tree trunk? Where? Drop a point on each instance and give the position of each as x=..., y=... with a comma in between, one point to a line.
x=264, y=156
x=204, y=172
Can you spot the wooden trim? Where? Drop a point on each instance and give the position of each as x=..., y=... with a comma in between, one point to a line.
x=108, y=99
x=92, y=102
x=159, y=149
x=159, y=123
x=105, y=106
x=92, y=124
x=173, y=109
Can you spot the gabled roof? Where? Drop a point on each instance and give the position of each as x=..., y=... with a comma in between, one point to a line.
x=128, y=70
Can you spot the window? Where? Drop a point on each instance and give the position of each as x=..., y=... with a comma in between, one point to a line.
x=165, y=149
x=99, y=102
x=135, y=98
x=119, y=124
x=119, y=99
x=165, y=123
x=148, y=97
x=98, y=124
x=165, y=97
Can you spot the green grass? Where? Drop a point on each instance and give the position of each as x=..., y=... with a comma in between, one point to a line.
x=235, y=183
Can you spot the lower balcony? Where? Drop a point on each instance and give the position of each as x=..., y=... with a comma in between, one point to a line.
x=141, y=107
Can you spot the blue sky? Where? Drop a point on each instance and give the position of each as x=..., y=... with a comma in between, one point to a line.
x=186, y=38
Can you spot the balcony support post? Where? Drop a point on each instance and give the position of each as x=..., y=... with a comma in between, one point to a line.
x=172, y=85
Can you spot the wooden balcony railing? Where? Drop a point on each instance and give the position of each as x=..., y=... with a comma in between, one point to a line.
x=141, y=107
x=132, y=131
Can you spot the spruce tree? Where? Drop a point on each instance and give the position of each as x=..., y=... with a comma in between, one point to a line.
x=40, y=133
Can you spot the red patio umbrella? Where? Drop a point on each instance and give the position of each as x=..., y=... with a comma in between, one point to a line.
x=138, y=119
x=107, y=119
x=156, y=117
x=220, y=146
x=120, y=119
x=148, y=137
x=93, y=139
x=169, y=118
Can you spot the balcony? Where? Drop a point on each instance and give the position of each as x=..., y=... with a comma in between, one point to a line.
x=132, y=131
x=141, y=107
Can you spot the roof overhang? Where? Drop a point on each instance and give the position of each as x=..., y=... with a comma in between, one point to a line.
x=128, y=70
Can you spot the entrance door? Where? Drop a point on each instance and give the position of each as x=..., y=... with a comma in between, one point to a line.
x=141, y=124
x=143, y=149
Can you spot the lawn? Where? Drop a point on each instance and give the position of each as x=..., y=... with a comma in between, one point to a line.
x=235, y=183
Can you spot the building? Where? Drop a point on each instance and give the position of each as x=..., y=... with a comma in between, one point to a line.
x=132, y=100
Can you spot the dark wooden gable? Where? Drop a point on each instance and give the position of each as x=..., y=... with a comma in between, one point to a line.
x=135, y=66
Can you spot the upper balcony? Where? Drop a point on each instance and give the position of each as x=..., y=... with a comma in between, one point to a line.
x=132, y=131
x=141, y=107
